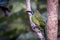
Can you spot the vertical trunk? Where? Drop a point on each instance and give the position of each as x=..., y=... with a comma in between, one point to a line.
x=52, y=22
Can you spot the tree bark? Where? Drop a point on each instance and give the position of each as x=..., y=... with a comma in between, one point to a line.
x=52, y=20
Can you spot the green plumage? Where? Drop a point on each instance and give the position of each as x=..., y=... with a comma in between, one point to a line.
x=37, y=19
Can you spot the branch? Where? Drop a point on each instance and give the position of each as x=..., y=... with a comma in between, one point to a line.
x=33, y=26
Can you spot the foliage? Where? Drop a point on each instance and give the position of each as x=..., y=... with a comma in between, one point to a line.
x=18, y=21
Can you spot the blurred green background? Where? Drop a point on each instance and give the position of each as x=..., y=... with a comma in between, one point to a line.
x=17, y=24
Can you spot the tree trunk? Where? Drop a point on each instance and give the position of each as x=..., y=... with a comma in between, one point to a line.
x=52, y=20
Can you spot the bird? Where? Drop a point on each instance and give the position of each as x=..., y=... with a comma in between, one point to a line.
x=37, y=19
